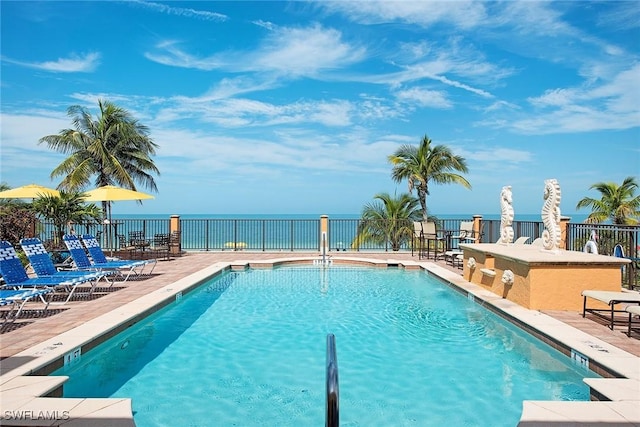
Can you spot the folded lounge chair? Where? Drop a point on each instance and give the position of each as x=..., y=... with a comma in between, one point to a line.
x=611, y=299
x=124, y=268
x=17, y=298
x=16, y=277
x=44, y=267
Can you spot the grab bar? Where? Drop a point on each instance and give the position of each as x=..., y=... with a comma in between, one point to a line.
x=333, y=394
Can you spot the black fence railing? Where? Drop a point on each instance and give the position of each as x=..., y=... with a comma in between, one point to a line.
x=305, y=234
x=250, y=234
x=341, y=235
x=531, y=229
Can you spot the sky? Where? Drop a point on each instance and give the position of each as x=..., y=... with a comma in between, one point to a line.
x=294, y=107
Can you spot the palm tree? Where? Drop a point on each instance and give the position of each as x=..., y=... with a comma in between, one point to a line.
x=617, y=203
x=388, y=219
x=425, y=163
x=113, y=149
x=65, y=210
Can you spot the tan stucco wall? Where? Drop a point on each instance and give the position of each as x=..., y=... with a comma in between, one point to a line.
x=554, y=283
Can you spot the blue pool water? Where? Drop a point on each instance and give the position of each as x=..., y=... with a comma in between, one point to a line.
x=249, y=348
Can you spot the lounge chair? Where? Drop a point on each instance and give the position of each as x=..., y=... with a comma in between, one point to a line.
x=611, y=299
x=122, y=268
x=99, y=258
x=537, y=242
x=44, y=267
x=16, y=277
x=17, y=298
x=633, y=310
x=454, y=257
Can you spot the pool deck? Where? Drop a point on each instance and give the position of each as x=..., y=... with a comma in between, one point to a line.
x=28, y=345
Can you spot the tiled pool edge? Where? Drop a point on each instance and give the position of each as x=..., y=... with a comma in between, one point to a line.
x=48, y=355
x=24, y=385
x=623, y=391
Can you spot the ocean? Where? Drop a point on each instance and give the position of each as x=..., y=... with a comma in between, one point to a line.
x=268, y=232
x=575, y=217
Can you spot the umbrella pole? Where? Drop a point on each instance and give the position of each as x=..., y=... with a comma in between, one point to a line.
x=112, y=238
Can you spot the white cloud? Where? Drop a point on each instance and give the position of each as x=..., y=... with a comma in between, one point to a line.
x=181, y=11
x=424, y=97
x=74, y=64
x=292, y=52
x=462, y=14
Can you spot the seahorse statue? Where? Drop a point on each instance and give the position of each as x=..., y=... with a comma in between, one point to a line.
x=506, y=216
x=551, y=215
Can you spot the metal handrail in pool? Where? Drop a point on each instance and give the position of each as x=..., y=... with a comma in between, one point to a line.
x=333, y=394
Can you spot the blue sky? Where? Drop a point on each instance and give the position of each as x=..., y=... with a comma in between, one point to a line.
x=293, y=107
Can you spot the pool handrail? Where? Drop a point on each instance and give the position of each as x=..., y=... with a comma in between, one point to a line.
x=333, y=394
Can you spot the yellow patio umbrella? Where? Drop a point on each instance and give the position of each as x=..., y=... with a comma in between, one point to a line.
x=31, y=191
x=111, y=193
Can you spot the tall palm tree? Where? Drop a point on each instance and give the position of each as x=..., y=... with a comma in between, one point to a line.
x=113, y=149
x=426, y=163
x=617, y=203
x=388, y=220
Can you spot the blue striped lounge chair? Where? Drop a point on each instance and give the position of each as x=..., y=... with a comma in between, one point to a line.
x=15, y=276
x=43, y=266
x=123, y=268
x=17, y=298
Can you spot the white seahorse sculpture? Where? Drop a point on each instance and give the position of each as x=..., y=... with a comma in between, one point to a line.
x=551, y=215
x=506, y=216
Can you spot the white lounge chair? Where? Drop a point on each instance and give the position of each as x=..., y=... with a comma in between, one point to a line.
x=521, y=240
x=633, y=310
x=610, y=298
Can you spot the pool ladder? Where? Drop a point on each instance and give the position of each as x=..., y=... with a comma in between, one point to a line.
x=333, y=394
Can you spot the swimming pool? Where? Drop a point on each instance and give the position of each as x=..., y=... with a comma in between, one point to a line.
x=248, y=348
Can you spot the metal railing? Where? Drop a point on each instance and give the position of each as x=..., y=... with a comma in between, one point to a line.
x=333, y=392
x=531, y=229
x=250, y=234
x=306, y=235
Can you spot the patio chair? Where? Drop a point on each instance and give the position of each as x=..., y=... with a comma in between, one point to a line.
x=160, y=245
x=123, y=268
x=15, y=276
x=124, y=245
x=417, y=238
x=465, y=234
x=139, y=242
x=430, y=234
x=43, y=266
x=17, y=298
